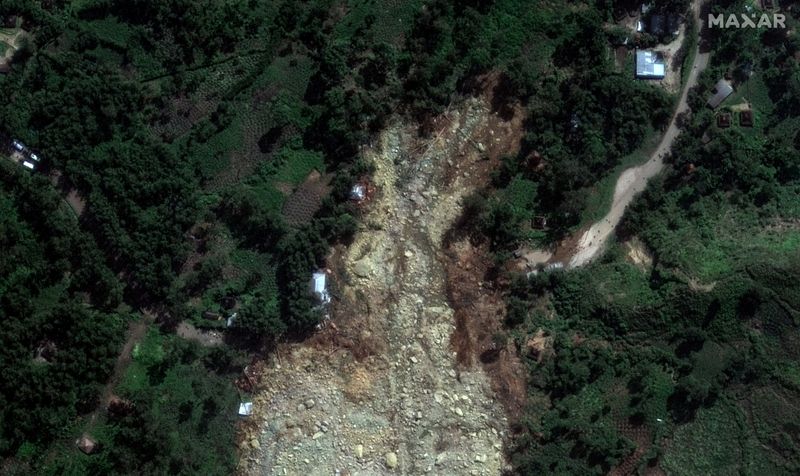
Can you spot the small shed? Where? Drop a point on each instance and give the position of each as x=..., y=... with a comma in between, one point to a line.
x=28, y=165
x=721, y=91
x=319, y=287
x=211, y=315
x=724, y=120
x=746, y=118
x=86, y=444
x=554, y=266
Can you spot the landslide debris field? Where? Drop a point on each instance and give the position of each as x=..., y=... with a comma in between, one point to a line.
x=382, y=389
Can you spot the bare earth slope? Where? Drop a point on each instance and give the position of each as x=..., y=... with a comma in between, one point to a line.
x=380, y=391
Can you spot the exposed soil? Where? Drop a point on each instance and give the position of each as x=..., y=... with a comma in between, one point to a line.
x=70, y=194
x=202, y=337
x=638, y=254
x=12, y=42
x=392, y=385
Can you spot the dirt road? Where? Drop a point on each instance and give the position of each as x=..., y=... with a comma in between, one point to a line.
x=380, y=391
x=634, y=180
x=136, y=332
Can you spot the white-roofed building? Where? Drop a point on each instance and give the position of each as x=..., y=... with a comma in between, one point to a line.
x=319, y=287
x=28, y=165
x=246, y=408
x=650, y=65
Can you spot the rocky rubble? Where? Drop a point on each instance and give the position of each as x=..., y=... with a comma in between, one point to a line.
x=406, y=408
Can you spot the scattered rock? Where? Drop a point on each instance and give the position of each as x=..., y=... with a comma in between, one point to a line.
x=255, y=443
x=391, y=460
x=372, y=404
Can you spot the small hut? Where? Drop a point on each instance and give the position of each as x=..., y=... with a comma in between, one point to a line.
x=86, y=444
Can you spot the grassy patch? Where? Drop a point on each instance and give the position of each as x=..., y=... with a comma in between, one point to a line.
x=111, y=31
x=708, y=446
x=602, y=194
x=296, y=164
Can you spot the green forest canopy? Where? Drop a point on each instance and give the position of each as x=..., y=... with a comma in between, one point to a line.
x=180, y=131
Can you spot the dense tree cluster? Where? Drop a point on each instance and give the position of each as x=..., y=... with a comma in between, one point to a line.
x=60, y=334
x=635, y=356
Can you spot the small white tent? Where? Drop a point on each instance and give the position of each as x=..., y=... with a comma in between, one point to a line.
x=319, y=287
x=246, y=408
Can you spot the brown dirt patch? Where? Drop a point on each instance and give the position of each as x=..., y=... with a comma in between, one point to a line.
x=204, y=338
x=473, y=290
x=75, y=200
x=358, y=384
x=479, y=311
x=638, y=254
x=500, y=136
x=70, y=194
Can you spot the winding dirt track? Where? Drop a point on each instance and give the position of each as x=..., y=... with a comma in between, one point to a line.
x=634, y=180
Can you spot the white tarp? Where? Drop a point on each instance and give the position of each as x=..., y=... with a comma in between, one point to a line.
x=231, y=319
x=358, y=192
x=246, y=408
x=319, y=287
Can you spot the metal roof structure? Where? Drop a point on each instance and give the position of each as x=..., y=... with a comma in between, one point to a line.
x=650, y=65
x=722, y=90
x=246, y=408
x=319, y=287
